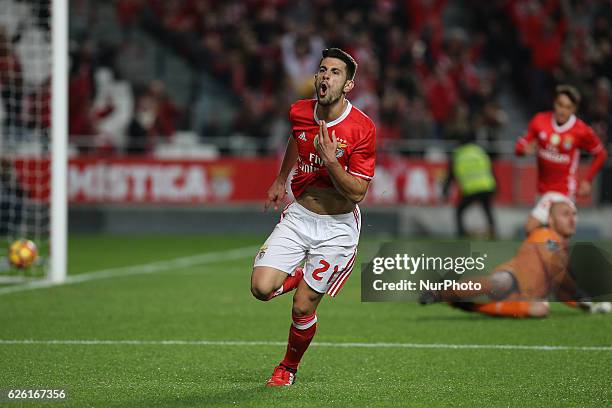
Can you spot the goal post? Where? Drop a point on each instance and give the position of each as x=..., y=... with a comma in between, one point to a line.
x=34, y=136
x=59, y=141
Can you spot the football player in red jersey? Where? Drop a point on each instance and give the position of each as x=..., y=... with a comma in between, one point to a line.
x=313, y=246
x=557, y=137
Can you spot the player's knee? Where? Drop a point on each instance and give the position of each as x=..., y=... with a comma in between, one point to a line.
x=260, y=292
x=300, y=306
x=303, y=305
x=502, y=285
x=264, y=281
x=300, y=310
x=539, y=309
x=261, y=288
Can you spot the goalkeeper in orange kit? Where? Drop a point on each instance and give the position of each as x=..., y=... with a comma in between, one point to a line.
x=521, y=286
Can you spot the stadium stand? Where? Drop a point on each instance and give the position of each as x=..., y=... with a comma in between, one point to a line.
x=426, y=74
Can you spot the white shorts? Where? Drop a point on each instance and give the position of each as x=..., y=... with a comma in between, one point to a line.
x=541, y=211
x=326, y=243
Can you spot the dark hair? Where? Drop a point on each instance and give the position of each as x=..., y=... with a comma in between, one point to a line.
x=569, y=91
x=351, y=64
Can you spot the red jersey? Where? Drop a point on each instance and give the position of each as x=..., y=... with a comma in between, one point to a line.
x=558, y=151
x=356, y=136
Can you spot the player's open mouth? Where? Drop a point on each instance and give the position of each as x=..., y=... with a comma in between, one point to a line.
x=323, y=90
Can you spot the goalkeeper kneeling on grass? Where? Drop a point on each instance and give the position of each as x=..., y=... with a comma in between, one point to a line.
x=520, y=287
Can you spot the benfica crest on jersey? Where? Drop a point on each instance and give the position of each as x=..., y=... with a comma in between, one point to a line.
x=555, y=139
x=568, y=142
x=340, y=149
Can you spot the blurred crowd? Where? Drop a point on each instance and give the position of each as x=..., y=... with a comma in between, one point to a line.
x=24, y=87
x=428, y=69
x=537, y=44
x=416, y=78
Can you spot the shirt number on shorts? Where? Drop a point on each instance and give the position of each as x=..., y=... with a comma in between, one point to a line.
x=317, y=274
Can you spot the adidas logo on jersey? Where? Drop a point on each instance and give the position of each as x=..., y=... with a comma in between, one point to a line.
x=302, y=137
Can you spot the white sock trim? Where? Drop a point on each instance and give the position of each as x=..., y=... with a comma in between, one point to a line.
x=305, y=325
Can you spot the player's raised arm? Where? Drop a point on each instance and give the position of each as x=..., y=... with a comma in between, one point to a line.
x=352, y=187
x=277, y=192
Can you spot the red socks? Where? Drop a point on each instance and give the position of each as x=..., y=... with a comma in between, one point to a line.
x=301, y=333
x=290, y=283
x=303, y=328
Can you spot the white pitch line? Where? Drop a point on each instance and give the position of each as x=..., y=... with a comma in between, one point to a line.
x=152, y=267
x=240, y=343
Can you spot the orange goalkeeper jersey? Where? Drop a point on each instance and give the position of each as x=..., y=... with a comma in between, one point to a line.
x=540, y=264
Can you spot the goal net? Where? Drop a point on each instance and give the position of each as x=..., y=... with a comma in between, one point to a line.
x=27, y=146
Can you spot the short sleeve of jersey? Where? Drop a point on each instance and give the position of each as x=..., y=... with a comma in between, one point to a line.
x=362, y=160
x=589, y=141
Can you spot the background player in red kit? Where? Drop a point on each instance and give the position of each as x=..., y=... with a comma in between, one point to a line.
x=557, y=137
x=333, y=144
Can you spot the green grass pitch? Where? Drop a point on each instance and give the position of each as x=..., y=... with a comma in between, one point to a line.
x=209, y=300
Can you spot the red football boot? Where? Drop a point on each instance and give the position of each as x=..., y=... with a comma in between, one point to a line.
x=281, y=377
